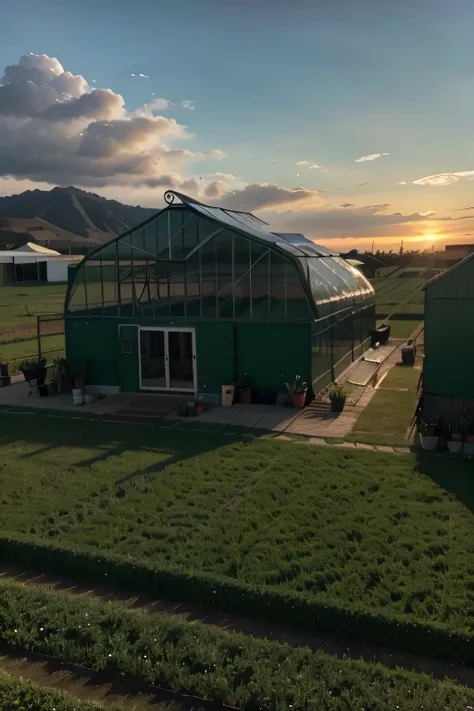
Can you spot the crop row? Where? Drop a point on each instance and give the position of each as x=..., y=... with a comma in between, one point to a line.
x=23, y=695
x=209, y=662
x=431, y=639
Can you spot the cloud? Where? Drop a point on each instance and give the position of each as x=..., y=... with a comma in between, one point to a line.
x=366, y=183
x=188, y=104
x=308, y=164
x=366, y=221
x=460, y=209
x=372, y=156
x=428, y=213
x=143, y=76
x=402, y=182
x=348, y=204
x=264, y=196
x=154, y=105
x=442, y=179
x=56, y=128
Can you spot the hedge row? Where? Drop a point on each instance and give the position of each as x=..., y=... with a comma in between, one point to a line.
x=209, y=662
x=22, y=695
x=430, y=639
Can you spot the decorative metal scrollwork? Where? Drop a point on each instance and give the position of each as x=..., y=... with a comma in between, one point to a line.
x=169, y=197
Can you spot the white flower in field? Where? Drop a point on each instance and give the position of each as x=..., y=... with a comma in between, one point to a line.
x=16, y=630
x=41, y=629
x=110, y=655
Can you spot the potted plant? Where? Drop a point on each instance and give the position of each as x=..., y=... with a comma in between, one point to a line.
x=244, y=388
x=454, y=437
x=297, y=390
x=429, y=435
x=61, y=375
x=79, y=372
x=5, y=378
x=469, y=443
x=35, y=369
x=337, y=396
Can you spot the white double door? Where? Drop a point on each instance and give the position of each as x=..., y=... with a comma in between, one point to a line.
x=168, y=359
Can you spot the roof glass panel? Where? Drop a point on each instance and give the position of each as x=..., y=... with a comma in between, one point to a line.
x=307, y=246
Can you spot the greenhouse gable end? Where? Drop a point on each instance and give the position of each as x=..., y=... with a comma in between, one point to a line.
x=199, y=296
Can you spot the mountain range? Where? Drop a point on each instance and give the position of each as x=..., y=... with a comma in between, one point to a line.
x=82, y=213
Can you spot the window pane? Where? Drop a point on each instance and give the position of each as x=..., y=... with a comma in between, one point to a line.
x=277, y=287
x=78, y=301
x=209, y=279
x=224, y=275
x=259, y=283
x=193, y=286
x=241, y=277
x=177, y=289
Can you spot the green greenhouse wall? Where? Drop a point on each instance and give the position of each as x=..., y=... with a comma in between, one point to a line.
x=448, y=367
x=225, y=351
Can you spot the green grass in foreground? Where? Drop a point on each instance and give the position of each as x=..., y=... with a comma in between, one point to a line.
x=381, y=534
x=208, y=661
x=22, y=695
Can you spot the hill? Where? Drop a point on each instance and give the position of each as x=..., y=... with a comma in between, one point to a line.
x=76, y=211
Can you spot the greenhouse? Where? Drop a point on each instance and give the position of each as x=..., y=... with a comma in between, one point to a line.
x=199, y=296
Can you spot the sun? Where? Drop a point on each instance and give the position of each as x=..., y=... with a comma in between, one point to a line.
x=431, y=237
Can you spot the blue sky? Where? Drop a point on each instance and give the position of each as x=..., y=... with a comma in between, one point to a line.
x=275, y=83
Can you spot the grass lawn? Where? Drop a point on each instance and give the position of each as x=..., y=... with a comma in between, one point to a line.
x=401, y=328
x=372, y=532
x=19, y=306
x=388, y=415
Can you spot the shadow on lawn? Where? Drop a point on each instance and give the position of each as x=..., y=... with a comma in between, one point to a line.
x=112, y=440
x=455, y=475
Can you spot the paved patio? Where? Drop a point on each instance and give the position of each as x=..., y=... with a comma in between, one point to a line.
x=316, y=420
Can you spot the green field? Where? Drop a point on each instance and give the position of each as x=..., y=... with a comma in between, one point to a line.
x=358, y=530
x=17, y=694
x=207, y=661
x=19, y=306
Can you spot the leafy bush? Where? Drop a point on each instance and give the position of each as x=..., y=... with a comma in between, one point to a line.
x=23, y=695
x=210, y=662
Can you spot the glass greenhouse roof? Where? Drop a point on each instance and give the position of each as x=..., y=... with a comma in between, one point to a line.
x=196, y=260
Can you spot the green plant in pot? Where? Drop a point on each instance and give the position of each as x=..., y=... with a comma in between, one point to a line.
x=297, y=390
x=337, y=396
x=61, y=375
x=469, y=443
x=244, y=388
x=5, y=378
x=454, y=437
x=429, y=435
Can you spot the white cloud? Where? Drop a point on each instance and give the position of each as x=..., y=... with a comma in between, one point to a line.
x=143, y=76
x=366, y=183
x=402, y=182
x=442, y=179
x=372, y=156
x=308, y=164
x=188, y=104
x=56, y=128
x=428, y=213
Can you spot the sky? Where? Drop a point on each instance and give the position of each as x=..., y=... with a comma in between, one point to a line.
x=348, y=120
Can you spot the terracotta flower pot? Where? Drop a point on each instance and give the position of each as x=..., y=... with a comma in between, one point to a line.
x=298, y=400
